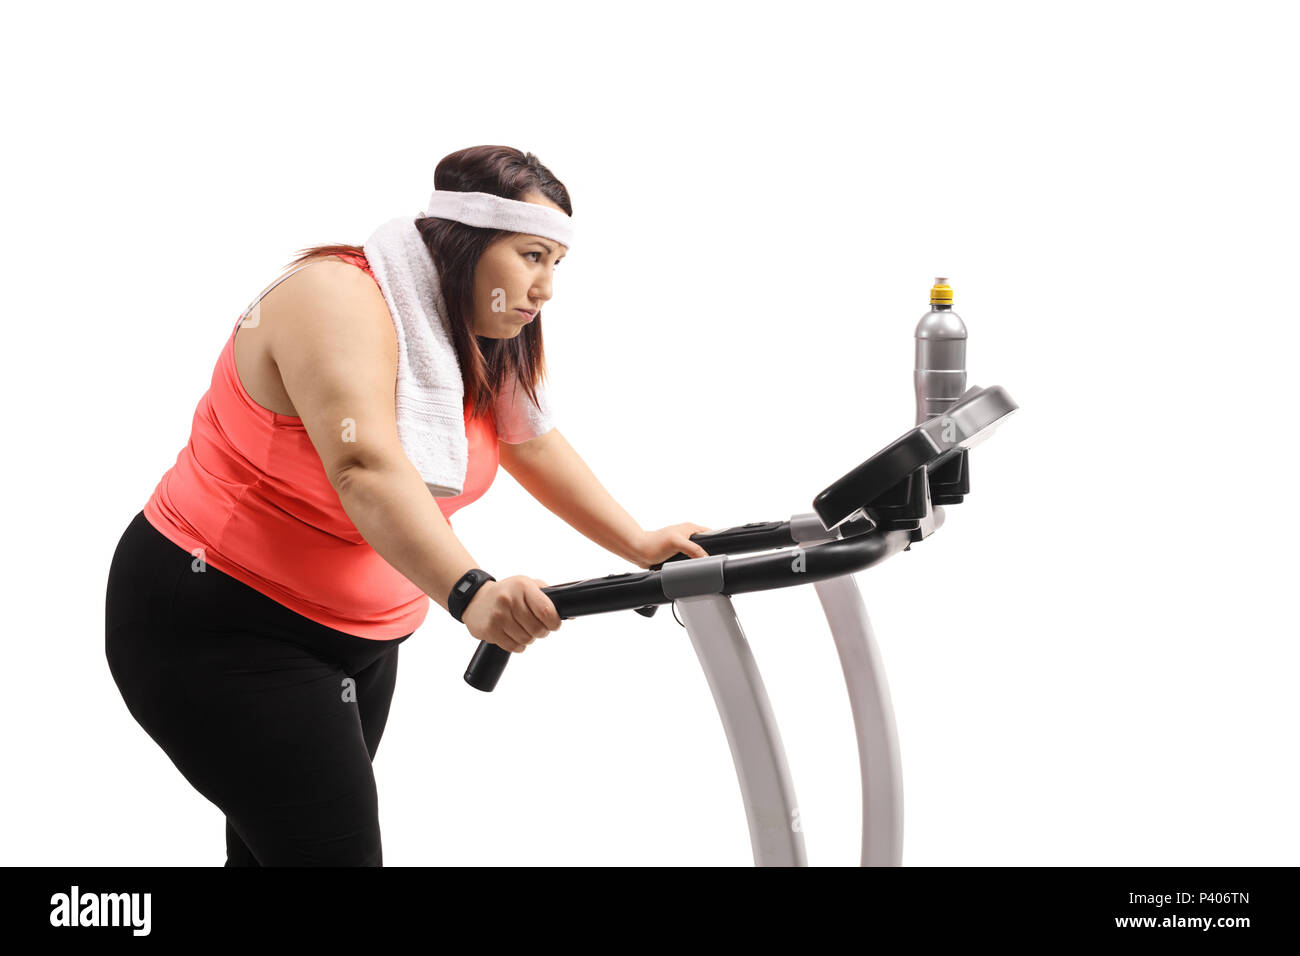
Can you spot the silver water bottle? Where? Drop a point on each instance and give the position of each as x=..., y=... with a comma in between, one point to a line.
x=940, y=375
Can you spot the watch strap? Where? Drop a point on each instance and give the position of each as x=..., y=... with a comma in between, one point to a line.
x=464, y=589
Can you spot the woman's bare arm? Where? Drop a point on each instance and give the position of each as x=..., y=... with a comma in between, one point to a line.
x=333, y=341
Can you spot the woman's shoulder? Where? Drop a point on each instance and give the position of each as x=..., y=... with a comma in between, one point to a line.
x=343, y=272
x=351, y=258
x=328, y=285
x=338, y=262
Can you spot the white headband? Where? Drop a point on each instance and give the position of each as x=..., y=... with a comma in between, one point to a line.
x=494, y=212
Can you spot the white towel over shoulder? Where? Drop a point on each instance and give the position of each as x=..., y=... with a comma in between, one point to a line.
x=430, y=389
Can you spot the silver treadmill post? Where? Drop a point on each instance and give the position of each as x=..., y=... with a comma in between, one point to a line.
x=738, y=691
x=879, y=761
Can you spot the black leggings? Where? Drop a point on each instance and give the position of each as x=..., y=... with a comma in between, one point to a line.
x=271, y=716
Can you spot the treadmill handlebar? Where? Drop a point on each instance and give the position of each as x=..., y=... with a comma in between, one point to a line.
x=720, y=573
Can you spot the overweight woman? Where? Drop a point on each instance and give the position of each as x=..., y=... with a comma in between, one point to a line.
x=256, y=604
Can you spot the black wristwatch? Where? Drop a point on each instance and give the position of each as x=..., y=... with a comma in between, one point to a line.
x=466, y=588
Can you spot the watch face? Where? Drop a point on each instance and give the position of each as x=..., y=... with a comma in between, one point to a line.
x=465, y=587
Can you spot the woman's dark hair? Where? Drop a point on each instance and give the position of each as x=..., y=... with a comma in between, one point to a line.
x=485, y=364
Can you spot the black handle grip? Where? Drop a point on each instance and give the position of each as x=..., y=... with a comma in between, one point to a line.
x=486, y=666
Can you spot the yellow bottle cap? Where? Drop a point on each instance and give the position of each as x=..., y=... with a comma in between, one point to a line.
x=941, y=292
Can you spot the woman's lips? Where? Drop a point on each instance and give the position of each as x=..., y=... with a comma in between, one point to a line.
x=528, y=316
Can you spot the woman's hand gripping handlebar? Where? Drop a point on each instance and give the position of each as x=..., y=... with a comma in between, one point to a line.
x=498, y=641
x=508, y=615
x=490, y=659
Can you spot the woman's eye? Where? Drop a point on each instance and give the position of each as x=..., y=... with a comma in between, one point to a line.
x=534, y=253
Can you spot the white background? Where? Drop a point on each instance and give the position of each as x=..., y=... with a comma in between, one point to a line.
x=1092, y=662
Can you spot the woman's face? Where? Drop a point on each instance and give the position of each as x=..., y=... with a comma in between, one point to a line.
x=514, y=274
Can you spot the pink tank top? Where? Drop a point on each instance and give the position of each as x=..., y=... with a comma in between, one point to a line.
x=250, y=490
